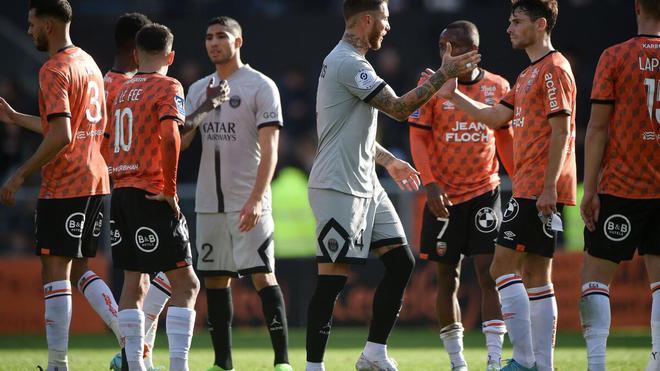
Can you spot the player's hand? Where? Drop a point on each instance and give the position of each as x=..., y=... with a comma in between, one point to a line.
x=448, y=90
x=173, y=201
x=9, y=189
x=250, y=214
x=437, y=200
x=546, y=204
x=405, y=176
x=590, y=210
x=7, y=113
x=425, y=75
x=216, y=95
x=460, y=64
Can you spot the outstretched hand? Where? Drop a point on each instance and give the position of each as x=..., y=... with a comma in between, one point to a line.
x=7, y=113
x=460, y=64
x=216, y=95
x=405, y=176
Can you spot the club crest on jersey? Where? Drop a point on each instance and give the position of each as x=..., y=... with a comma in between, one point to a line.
x=365, y=79
x=180, y=105
x=234, y=101
x=74, y=225
x=441, y=248
x=485, y=220
x=617, y=227
x=511, y=210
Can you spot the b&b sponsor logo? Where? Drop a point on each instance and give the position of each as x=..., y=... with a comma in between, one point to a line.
x=97, y=225
x=74, y=225
x=146, y=239
x=617, y=227
x=115, y=236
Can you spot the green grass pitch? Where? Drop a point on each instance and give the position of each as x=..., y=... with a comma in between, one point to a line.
x=414, y=349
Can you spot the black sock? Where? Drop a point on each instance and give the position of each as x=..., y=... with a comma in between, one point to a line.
x=124, y=361
x=319, y=315
x=221, y=313
x=399, y=264
x=272, y=303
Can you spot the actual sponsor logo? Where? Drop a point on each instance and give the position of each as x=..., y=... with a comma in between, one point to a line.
x=485, y=220
x=617, y=227
x=551, y=89
x=234, y=101
x=365, y=79
x=98, y=224
x=74, y=225
x=115, y=236
x=146, y=239
x=511, y=210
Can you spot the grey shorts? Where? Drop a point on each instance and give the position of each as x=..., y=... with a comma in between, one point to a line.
x=348, y=227
x=223, y=250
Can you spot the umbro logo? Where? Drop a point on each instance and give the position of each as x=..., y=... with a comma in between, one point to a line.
x=508, y=235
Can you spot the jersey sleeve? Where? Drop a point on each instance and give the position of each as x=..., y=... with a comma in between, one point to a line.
x=54, y=85
x=509, y=97
x=422, y=117
x=602, y=90
x=171, y=105
x=268, y=106
x=557, y=92
x=359, y=77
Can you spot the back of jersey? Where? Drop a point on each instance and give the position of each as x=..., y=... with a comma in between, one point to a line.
x=142, y=103
x=628, y=77
x=113, y=81
x=71, y=85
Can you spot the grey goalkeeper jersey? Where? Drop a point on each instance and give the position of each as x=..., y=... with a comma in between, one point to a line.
x=230, y=147
x=346, y=124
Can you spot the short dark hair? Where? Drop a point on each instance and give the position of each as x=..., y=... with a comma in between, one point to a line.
x=652, y=7
x=467, y=31
x=228, y=22
x=58, y=9
x=353, y=7
x=127, y=27
x=548, y=9
x=154, y=38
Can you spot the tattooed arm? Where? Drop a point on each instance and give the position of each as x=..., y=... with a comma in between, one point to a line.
x=383, y=156
x=405, y=176
x=399, y=108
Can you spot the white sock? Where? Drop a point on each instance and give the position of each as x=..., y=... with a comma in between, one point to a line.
x=655, y=319
x=543, y=317
x=494, y=331
x=180, y=323
x=100, y=297
x=452, y=339
x=595, y=317
x=375, y=350
x=515, y=311
x=315, y=366
x=57, y=297
x=131, y=323
x=157, y=296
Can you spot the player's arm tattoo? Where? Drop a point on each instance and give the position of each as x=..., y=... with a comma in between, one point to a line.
x=383, y=156
x=399, y=108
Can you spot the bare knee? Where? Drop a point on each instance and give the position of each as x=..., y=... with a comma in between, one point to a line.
x=537, y=271
x=185, y=287
x=505, y=261
x=263, y=280
x=448, y=278
x=78, y=268
x=55, y=268
x=217, y=282
x=482, y=264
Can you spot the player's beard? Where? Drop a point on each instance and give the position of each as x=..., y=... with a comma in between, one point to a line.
x=374, y=39
x=41, y=42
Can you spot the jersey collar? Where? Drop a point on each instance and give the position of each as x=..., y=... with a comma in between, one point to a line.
x=543, y=57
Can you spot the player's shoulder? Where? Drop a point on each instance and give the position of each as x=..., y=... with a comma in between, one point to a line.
x=258, y=78
x=167, y=83
x=557, y=62
x=490, y=78
x=201, y=84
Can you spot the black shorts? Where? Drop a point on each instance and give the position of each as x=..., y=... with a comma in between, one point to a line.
x=68, y=226
x=470, y=230
x=624, y=225
x=146, y=235
x=522, y=229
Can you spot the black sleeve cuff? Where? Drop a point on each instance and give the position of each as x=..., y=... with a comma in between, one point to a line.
x=53, y=116
x=507, y=104
x=563, y=112
x=374, y=92
x=270, y=123
x=419, y=126
x=601, y=101
x=168, y=117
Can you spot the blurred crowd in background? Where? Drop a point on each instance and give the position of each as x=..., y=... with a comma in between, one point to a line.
x=287, y=40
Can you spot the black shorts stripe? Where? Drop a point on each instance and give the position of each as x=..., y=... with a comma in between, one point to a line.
x=374, y=92
x=249, y=271
x=542, y=297
x=388, y=242
x=218, y=273
x=218, y=182
x=509, y=284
